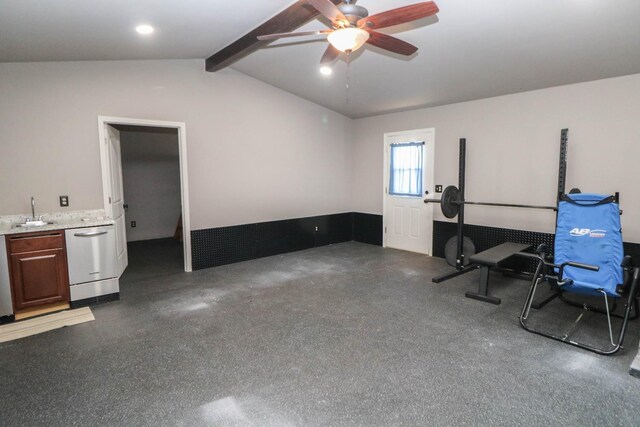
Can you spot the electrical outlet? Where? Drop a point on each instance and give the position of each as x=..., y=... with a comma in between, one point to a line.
x=438, y=188
x=133, y=224
x=64, y=201
x=316, y=228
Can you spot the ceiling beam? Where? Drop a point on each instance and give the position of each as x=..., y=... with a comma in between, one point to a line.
x=289, y=19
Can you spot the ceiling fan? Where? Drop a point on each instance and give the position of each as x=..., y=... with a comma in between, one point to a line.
x=352, y=27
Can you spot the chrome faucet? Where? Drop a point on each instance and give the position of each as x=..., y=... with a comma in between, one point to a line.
x=33, y=221
x=33, y=211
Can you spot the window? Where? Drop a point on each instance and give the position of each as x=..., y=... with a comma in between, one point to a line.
x=405, y=178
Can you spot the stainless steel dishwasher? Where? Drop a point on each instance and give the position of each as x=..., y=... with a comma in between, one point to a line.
x=91, y=255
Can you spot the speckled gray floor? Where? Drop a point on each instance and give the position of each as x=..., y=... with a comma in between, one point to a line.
x=635, y=366
x=349, y=334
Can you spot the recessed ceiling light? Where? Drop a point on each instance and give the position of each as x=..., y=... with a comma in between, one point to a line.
x=144, y=29
x=326, y=71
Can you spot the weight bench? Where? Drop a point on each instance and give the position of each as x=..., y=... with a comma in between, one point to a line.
x=492, y=258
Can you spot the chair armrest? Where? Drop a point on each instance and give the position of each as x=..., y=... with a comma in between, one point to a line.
x=562, y=266
x=579, y=265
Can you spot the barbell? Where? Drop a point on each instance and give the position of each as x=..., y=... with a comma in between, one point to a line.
x=450, y=203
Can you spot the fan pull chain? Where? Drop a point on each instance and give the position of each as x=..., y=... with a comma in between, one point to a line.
x=348, y=73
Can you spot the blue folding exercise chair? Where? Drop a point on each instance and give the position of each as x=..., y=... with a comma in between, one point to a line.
x=589, y=262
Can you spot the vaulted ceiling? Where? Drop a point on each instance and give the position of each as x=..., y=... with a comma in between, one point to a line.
x=471, y=50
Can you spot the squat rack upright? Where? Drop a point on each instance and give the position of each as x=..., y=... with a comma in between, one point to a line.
x=460, y=268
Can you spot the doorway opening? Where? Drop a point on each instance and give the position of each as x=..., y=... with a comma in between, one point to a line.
x=145, y=188
x=408, y=178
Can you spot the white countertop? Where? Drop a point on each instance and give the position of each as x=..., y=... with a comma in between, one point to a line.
x=60, y=221
x=57, y=225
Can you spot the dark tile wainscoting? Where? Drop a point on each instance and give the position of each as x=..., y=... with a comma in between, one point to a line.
x=367, y=228
x=225, y=245
x=485, y=237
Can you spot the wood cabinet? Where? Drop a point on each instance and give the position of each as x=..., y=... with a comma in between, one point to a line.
x=38, y=269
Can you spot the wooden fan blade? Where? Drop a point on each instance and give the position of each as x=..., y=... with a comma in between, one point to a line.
x=399, y=15
x=298, y=34
x=392, y=44
x=329, y=10
x=330, y=55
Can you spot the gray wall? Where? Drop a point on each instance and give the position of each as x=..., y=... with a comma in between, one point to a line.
x=512, y=150
x=151, y=181
x=255, y=153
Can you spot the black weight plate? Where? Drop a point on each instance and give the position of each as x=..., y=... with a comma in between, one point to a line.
x=451, y=250
x=449, y=196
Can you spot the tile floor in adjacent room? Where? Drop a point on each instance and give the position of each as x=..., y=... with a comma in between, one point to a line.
x=349, y=334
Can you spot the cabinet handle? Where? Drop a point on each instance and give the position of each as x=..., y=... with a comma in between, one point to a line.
x=90, y=234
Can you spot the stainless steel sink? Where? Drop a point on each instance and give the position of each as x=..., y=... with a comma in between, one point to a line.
x=35, y=224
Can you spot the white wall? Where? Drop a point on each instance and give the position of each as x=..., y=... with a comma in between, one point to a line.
x=255, y=152
x=512, y=150
x=151, y=183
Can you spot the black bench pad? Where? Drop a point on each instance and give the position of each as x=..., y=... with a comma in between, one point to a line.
x=495, y=256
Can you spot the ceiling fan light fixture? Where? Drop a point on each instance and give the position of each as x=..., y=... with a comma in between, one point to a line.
x=144, y=29
x=326, y=70
x=348, y=39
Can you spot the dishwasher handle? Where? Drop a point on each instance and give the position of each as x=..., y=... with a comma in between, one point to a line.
x=90, y=234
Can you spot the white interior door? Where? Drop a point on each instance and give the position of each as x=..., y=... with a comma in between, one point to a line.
x=116, y=198
x=408, y=177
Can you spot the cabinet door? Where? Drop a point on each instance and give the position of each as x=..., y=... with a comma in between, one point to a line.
x=39, y=278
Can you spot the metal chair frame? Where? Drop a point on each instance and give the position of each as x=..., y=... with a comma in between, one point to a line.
x=544, y=273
